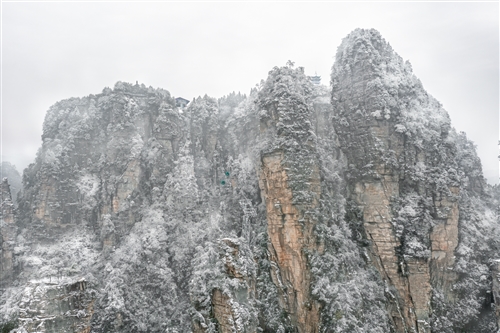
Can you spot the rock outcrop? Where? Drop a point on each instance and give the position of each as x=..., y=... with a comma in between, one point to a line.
x=290, y=185
x=57, y=306
x=10, y=172
x=444, y=241
x=495, y=274
x=8, y=233
x=396, y=139
x=230, y=302
x=289, y=242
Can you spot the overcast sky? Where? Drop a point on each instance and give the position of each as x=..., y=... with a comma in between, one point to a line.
x=52, y=51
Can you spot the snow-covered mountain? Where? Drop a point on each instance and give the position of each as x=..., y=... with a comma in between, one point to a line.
x=298, y=208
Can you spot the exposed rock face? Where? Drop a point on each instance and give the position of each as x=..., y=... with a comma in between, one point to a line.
x=89, y=183
x=223, y=312
x=227, y=310
x=289, y=241
x=367, y=133
x=495, y=274
x=382, y=117
x=57, y=306
x=8, y=233
x=374, y=198
x=295, y=209
x=420, y=290
x=444, y=241
x=290, y=186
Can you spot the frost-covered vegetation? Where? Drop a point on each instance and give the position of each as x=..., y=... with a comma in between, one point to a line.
x=159, y=209
x=391, y=127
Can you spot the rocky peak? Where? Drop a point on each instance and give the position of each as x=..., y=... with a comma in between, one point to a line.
x=364, y=47
x=10, y=172
x=403, y=174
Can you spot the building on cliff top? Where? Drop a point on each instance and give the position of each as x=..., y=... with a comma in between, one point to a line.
x=181, y=102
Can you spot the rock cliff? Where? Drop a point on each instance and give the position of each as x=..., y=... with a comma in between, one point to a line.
x=56, y=306
x=290, y=186
x=495, y=273
x=404, y=174
x=298, y=208
x=8, y=234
